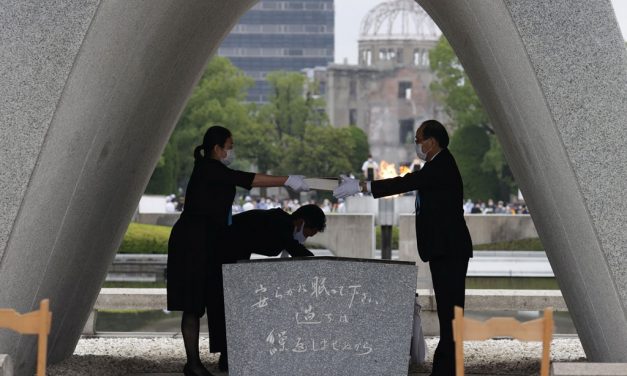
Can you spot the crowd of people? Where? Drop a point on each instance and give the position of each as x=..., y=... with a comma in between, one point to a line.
x=246, y=203
x=243, y=204
x=481, y=207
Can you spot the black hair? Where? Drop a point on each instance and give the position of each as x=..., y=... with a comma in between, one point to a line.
x=435, y=129
x=215, y=135
x=312, y=215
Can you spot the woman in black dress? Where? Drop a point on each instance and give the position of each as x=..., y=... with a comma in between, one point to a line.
x=197, y=238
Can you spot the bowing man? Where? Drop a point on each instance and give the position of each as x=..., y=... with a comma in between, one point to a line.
x=265, y=232
x=268, y=232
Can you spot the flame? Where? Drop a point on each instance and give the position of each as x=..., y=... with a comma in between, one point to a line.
x=388, y=170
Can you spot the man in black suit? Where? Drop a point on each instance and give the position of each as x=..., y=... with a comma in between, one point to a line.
x=265, y=232
x=442, y=236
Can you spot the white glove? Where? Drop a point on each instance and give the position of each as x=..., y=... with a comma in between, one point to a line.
x=297, y=183
x=347, y=187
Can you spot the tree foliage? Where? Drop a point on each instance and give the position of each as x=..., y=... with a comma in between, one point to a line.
x=470, y=144
x=289, y=135
x=362, y=148
x=307, y=143
x=217, y=99
x=324, y=151
x=291, y=107
x=494, y=161
x=477, y=150
x=453, y=88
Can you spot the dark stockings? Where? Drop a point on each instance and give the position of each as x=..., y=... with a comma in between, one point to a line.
x=190, y=328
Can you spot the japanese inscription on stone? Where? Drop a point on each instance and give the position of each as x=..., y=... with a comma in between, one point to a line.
x=318, y=315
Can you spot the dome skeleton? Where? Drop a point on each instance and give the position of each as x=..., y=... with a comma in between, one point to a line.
x=398, y=19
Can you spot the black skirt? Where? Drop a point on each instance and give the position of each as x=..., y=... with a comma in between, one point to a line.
x=191, y=272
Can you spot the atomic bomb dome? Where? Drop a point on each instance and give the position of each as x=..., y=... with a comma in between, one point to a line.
x=387, y=93
x=398, y=19
x=397, y=32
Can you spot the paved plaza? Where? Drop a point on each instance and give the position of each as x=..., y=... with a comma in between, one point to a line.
x=165, y=355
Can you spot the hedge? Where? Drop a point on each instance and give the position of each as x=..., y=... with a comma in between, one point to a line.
x=141, y=238
x=394, y=237
x=529, y=244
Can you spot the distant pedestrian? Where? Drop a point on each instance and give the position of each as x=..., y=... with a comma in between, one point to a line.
x=370, y=169
x=248, y=204
x=170, y=206
x=468, y=206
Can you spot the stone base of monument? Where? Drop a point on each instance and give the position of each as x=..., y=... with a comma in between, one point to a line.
x=589, y=369
x=319, y=316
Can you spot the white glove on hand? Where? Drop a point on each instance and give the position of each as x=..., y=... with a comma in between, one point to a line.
x=297, y=183
x=348, y=187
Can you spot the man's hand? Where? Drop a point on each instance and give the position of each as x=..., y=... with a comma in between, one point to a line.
x=347, y=187
x=297, y=183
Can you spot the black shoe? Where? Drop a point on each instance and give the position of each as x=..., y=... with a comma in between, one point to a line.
x=198, y=370
x=223, y=363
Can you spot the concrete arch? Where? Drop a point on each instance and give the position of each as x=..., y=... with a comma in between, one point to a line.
x=93, y=89
x=553, y=78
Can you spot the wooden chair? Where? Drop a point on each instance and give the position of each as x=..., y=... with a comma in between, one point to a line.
x=474, y=330
x=35, y=322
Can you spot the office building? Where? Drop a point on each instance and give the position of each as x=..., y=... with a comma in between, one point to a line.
x=280, y=35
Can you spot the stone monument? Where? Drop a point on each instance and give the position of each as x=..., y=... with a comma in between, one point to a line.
x=319, y=316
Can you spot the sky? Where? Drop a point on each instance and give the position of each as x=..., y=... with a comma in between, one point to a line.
x=349, y=13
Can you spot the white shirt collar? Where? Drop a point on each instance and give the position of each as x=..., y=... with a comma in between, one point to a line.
x=436, y=154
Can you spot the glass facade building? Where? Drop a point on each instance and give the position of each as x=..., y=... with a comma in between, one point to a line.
x=287, y=35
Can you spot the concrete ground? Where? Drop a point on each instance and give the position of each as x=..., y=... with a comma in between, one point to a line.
x=166, y=356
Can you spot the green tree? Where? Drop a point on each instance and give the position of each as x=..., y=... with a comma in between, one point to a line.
x=326, y=151
x=291, y=107
x=217, y=99
x=164, y=177
x=469, y=144
x=453, y=88
x=289, y=135
x=494, y=162
x=361, y=149
x=258, y=143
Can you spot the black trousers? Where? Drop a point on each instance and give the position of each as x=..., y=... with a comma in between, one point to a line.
x=449, y=284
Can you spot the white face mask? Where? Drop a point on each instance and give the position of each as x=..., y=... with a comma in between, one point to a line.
x=230, y=157
x=299, y=236
x=421, y=154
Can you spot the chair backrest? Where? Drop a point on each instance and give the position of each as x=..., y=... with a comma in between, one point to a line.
x=473, y=330
x=35, y=322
